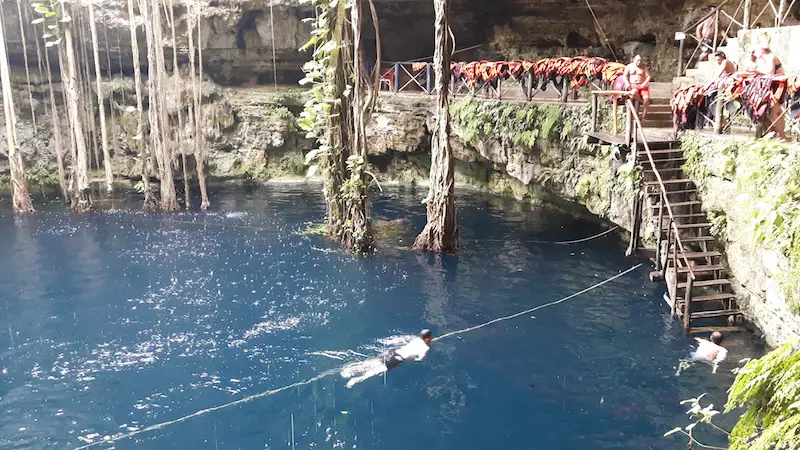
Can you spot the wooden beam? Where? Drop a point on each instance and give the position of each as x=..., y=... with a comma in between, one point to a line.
x=746, y=14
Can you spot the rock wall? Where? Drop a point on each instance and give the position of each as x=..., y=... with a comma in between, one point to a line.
x=760, y=270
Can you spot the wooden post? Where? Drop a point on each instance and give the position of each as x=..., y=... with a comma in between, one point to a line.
x=616, y=114
x=636, y=221
x=628, y=123
x=687, y=302
x=660, y=228
x=718, y=110
x=565, y=90
x=428, y=78
x=781, y=13
x=674, y=267
x=666, y=252
x=499, y=88
x=680, y=57
x=746, y=15
x=594, y=112
x=716, y=31
x=397, y=77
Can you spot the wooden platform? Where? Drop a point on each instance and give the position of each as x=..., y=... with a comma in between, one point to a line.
x=656, y=138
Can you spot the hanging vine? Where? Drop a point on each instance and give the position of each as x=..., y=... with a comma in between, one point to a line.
x=335, y=115
x=56, y=18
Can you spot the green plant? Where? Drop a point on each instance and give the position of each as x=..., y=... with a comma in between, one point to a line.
x=719, y=224
x=769, y=390
x=700, y=415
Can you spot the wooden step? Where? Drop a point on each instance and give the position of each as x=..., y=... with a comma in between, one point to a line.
x=720, y=329
x=643, y=154
x=656, y=193
x=679, y=204
x=681, y=159
x=697, y=239
x=656, y=123
x=701, y=269
x=685, y=226
x=678, y=181
x=706, y=283
x=687, y=216
x=718, y=313
x=708, y=298
x=698, y=255
x=664, y=169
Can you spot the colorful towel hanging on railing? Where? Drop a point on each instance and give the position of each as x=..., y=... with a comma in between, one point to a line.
x=417, y=67
x=757, y=94
x=579, y=70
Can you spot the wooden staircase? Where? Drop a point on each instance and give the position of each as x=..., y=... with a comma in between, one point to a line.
x=700, y=293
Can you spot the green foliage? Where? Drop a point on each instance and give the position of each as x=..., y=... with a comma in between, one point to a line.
x=700, y=415
x=705, y=157
x=48, y=16
x=313, y=229
x=719, y=224
x=769, y=389
x=768, y=178
x=513, y=124
x=42, y=177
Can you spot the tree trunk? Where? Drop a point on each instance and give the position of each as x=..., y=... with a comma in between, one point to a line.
x=441, y=232
x=357, y=233
x=62, y=176
x=169, y=199
x=84, y=83
x=200, y=156
x=101, y=102
x=179, y=83
x=81, y=197
x=156, y=111
x=144, y=150
x=20, y=196
x=25, y=59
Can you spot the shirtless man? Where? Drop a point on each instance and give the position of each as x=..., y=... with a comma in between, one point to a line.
x=767, y=63
x=710, y=350
x=637, y=78
x=414, y=350
x=724, y=66
x=705, y=32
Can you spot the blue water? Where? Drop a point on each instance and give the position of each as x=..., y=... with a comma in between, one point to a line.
x=116, y=320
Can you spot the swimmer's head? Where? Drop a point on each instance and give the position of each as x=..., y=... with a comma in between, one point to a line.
x=426, y=335
x=716, y=337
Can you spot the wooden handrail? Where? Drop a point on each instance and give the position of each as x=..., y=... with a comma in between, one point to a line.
x=711, y=13
x=673, y=227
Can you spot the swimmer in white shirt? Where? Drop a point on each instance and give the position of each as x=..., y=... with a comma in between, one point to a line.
x=710, y=350
x=415, y=350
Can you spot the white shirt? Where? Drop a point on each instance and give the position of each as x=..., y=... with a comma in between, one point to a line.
x=416, y=350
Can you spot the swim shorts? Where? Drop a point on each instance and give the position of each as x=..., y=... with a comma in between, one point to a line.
x=643, y=92
x=392, y=360
x=706, y=46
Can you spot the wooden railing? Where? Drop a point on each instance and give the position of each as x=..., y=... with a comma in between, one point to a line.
x=418, y=76
x=675, y=250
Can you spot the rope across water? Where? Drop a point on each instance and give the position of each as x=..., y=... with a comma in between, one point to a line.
x=330, y=372
x=528, y=311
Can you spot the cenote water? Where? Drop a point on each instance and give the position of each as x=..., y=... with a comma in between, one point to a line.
x=116, y=320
